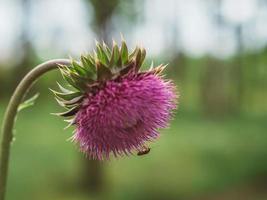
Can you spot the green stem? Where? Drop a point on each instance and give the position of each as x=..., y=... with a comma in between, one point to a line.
x=11, y=112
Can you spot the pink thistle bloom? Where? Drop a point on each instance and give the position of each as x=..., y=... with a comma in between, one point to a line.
x=124, y=114
x=122, y=109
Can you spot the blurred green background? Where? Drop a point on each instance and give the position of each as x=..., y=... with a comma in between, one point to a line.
x=216, y=146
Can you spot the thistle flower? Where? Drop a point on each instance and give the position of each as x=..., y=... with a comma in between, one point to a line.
x=115, y=107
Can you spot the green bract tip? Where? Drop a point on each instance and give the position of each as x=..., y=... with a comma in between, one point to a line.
x=92, y=70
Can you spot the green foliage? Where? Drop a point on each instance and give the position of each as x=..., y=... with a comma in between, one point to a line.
x=29, y=102
x=198, y=157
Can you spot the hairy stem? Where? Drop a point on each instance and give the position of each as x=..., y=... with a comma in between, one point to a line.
x=11, y=112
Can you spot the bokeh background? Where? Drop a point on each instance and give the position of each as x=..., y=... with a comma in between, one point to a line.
x=216, y=146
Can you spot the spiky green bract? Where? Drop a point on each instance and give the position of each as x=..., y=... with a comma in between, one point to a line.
x=92, y=70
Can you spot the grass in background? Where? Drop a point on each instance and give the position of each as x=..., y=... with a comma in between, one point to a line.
x=196, y=156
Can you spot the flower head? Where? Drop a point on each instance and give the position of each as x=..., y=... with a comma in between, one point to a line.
x=115, y=107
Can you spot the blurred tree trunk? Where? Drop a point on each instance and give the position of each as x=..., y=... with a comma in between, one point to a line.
x=103, y=12
x=3, y=84
x=178, y=67
x=215, y=89
x=92, y=176
x=237, y=71
x=174, y=46
x=92, y=172
x=28, y=57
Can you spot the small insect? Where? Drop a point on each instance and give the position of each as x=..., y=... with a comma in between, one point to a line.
x=144, y=151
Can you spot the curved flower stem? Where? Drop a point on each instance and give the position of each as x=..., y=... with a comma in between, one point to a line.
x=11, y=112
